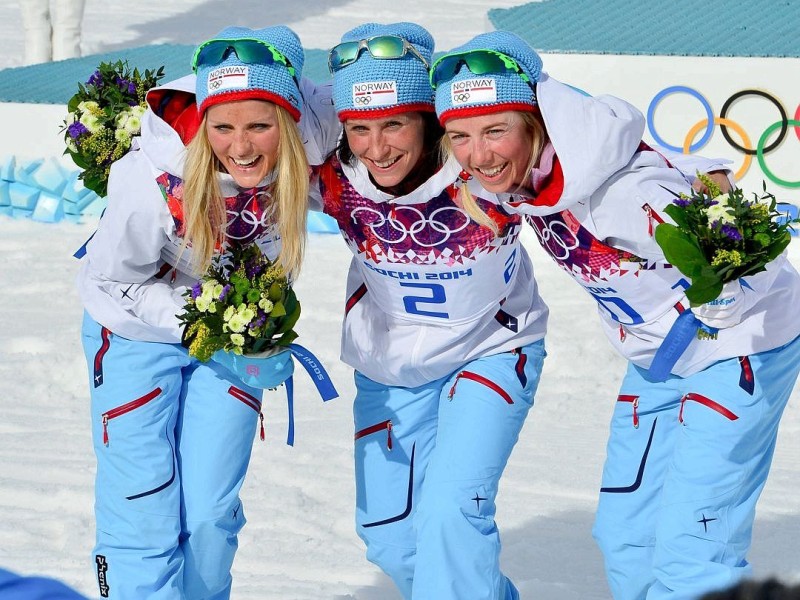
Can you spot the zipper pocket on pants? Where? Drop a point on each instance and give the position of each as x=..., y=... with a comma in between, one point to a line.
x=253, y=403
x=126, y=408
x=483, y=381
x=378, y=427
x=708, y=402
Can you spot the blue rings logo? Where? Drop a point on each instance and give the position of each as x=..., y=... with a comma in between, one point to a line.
x=746, y=147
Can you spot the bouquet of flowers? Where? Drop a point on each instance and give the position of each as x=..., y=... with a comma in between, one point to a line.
x=243, y=306
x=716, y=238
x=104, y=115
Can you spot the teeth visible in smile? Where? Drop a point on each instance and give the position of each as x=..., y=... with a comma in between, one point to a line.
x=245, y=162
x=386, y=163
x=492, y=172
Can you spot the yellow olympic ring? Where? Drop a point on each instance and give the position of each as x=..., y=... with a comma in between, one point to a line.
x=748, y=158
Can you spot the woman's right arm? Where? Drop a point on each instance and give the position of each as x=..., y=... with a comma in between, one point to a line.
x=120, y=280
x=320, y=130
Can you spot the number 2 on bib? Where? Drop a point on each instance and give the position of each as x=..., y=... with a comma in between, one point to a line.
x=437, y=296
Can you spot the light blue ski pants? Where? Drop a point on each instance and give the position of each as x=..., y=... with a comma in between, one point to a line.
x=172, y=438
x=686, y=462
x=428, y=465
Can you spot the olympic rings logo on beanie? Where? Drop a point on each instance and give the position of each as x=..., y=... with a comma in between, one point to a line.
x=506, y=79
x=372, y=87
x=250, y=64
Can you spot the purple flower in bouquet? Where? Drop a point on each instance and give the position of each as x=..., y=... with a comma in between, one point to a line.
x=104, y=115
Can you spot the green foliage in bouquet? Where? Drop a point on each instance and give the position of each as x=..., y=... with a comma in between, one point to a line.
x=244, y=305
x=718, y=237
x=104, y=115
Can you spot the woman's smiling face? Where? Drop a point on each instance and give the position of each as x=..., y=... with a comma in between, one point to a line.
x=494, y=148
x=390, y=147
x=244, y=136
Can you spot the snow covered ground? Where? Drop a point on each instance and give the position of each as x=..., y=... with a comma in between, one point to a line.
x=299, y=542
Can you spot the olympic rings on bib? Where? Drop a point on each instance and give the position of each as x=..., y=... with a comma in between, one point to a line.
x=746, y=146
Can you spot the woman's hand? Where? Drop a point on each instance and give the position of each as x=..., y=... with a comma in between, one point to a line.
x=718, y=177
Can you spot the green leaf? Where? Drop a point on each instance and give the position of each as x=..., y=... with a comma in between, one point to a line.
x=275, y=292
x=290, y=321
x=78, y=160
x=290, y=302
x=680, y=250
x=287, y=338
x=278, y=310
x=677, y=214
x=704, y=288
x=778, y=246
x=269, y=329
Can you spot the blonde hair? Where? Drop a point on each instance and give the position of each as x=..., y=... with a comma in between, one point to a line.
x=205, y=216
x=535, y=127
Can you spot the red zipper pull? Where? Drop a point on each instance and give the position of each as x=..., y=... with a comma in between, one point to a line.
x=634, y=400
x=453, y=389
x=105, y=430
x=388, y=435
x=261, y=417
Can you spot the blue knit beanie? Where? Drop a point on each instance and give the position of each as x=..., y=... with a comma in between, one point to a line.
x=371, y=88
x=468, y=94
x=233, y=79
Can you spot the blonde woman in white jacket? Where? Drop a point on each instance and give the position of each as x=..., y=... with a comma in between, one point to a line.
x=173, y=435
x=688, y=456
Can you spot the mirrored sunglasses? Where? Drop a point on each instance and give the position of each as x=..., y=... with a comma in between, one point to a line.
x=249, y=51
x=380, y=46
x=479, y=62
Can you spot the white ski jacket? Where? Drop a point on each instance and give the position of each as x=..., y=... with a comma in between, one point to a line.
x=428, y=288
x=596, y=214
x=131, y=280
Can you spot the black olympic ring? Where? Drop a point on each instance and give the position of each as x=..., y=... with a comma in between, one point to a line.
x=463, y=97
x=784, y=120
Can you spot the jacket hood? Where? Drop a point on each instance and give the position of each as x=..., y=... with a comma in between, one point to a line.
x=170, y=122
x=593, y=136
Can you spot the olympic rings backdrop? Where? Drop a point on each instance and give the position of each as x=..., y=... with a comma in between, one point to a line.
x=773, y=136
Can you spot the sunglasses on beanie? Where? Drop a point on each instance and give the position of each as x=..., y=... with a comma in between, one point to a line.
x=249, y=51
x=479, y=62
x=380, y=46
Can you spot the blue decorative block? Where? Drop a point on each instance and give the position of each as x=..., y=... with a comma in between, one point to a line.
x=73, y=188
x=49, y=208
x=23, y=196
x=23, y=173
x=50, y=176
x=5, y=199
x=318, y=222
x=77, y=207
x=20, y=213
x=7, y=168
x=94, y=209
